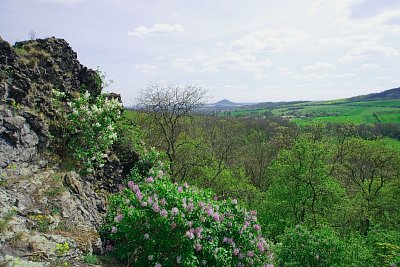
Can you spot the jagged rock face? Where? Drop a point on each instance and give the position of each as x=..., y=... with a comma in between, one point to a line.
x=40, y=208
x=18, y=143
x=29, y=72
x=31, y=69
x=42, y=205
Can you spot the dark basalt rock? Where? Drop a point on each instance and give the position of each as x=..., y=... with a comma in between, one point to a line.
x=31, y=69
x=33, y=185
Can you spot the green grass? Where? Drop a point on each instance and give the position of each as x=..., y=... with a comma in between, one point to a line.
x=337, y=111
x=393, y=143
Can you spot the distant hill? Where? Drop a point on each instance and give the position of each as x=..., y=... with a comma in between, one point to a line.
x=387, y=94
x=225, y=103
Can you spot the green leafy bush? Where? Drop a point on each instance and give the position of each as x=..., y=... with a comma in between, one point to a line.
x=90, y=129
x=301, y=247
x=386, y=245
x=322, y=247
x=155, y=222
x=128, y=146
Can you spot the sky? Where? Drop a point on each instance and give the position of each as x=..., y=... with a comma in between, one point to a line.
x=245, y=51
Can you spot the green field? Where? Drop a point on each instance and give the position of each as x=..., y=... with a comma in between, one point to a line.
x=337, y=111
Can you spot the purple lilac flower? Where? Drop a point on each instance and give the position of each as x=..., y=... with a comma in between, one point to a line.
x=143, y=204
x=210, y=212
x=257, y=227
x=202, y=204
x=156, y=208
x=198, y=230
x=150, y=200
x=253, y=212
x=150, y=257
x=163, y=202
x=216, y=217
x=180, y=189
x=164, y=213
x=114, y=229
x=150, y=180
x=190, y=223
x=139, y=195
x=225, y=240
x=173, y=225
x=236, y=251
x=118, y=218
x=250, y=254
x=121, y=187
x=131, y=184
x=190, y=207
x=260, y=246
x=241, y=256
x=198, y=247
x=175, y=211
x=135, y=188
x=186, y=185
x=189, y=234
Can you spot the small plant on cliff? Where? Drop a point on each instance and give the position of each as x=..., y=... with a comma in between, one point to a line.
x=90, y=129
x=155, y=222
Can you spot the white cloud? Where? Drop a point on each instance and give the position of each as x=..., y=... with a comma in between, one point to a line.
x=325, y=76
x=67, y=2
x=189, y=64
x=369, y=66
x=351, y=40
x=146, y=68
x=156, y=29
x=319, y=66
x=237, y=61
x=229, y=60
x=364, y=52
x=269, y=40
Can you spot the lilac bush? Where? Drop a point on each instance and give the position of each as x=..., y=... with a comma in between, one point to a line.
x=155, y=222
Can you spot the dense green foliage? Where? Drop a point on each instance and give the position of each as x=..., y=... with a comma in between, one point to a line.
x=89, y=129
x=325, y=195
x=154, y=222
x=338, y=183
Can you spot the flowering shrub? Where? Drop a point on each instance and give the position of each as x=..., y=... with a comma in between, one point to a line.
x=154, y=222
x=91, y=129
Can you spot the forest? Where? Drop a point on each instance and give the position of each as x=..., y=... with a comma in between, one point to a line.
x=325, y=194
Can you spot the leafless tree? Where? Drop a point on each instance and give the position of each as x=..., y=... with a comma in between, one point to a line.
x=169, y=106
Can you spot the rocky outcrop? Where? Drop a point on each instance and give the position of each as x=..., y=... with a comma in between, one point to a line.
x=43, y=206
x=31, y=69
